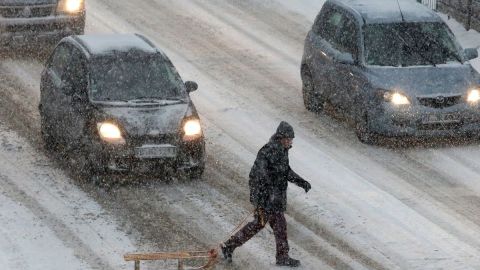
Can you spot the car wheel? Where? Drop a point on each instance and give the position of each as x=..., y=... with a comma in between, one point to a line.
x=49, y=141
x=3, y=51
x=89, y=166
x=79, y=31
x=196, y=172
x=363, y=132
x=79, y=27
x=312, y=99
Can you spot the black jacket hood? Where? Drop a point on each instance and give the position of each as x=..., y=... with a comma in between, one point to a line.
x=284, y=130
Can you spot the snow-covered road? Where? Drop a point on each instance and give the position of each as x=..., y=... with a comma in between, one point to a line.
x=370, y=207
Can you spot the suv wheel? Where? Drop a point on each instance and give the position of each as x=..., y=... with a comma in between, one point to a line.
x=363, y=132
x=196, y=172
x=312, y=99
x=89, y=166
x=48, y=139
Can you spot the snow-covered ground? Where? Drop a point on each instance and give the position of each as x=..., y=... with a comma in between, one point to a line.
x=370, y=207
x=46, y=222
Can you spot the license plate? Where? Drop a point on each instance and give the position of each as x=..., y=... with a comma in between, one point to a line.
x=156, y=151
x=440, y=118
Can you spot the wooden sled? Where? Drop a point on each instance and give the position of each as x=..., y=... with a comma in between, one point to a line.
x=211, y=258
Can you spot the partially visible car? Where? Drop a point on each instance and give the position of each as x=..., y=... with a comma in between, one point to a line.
x=117, y=102
x=23, y=21
x=394, y=67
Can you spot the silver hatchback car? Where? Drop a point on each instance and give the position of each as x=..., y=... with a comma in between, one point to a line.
x=395, y=71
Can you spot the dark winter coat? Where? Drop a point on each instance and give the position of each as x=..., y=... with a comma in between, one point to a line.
x=270, y=175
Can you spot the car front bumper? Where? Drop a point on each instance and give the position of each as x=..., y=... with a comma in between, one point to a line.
x=15, y=31
x=123, y=158
x=416, y=120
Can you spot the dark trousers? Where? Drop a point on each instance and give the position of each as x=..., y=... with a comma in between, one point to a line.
x=279, y=225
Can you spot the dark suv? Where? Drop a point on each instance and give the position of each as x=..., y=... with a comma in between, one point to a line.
x=118, y=102
x=38, y=20
x=394, y=67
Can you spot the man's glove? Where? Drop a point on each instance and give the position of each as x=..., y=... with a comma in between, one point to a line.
x=306, y=186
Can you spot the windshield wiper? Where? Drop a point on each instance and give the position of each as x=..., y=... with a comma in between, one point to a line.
x=143, y=99
x=115, y=100
x=159, y=100
x=175, y=98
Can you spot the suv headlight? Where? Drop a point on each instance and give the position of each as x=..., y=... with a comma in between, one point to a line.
x=192, y=129
x=396, y=98
x=473, y=96
x=110, y=133
x=70, y=6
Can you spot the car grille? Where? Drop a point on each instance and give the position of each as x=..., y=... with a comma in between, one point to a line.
x=34, y=28
x=159, y=139
x=27, y=11
x=440, y=101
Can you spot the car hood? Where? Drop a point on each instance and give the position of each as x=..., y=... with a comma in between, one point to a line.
x=26, y=2
x=147, y=120
x=425, y=81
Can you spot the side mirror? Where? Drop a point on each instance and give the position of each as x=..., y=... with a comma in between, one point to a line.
x=191, y=86
x=470, y=53
x=345, y=58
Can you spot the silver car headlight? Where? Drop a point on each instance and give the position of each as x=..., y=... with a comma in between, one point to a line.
x=473, y=96
x=396, y=98
x=70, y=6
x=110, y=133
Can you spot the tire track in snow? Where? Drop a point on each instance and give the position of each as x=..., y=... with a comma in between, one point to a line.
x=68, y=237
x=78, y=222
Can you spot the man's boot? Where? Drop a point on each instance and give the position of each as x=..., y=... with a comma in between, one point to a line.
x=227, y=252
x=287, y=261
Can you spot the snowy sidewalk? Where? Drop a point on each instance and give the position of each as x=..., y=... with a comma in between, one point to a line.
x=468, y=39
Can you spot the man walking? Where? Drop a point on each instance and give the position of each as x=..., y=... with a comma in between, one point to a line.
x=268, y=183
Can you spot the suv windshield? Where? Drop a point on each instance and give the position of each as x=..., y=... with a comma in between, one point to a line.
x=409, y=44
x=131, y=77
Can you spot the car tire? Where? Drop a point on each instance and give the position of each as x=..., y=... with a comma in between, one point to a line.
x=363, y=131
x=312, y=99
x=50, y=143
x=79, y=26
x=196, y=172
x=91, y=167
x=92, y=173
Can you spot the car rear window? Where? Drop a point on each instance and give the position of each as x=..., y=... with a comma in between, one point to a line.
x=124, y=77
x=409, y=44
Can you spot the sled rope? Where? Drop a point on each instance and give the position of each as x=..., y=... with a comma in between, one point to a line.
x=236, y=229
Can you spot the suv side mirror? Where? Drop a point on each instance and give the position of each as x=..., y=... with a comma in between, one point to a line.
x=471, y=53
x=191, y=86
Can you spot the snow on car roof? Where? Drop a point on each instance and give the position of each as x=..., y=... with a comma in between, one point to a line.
x=386, y=11
x=101, y=44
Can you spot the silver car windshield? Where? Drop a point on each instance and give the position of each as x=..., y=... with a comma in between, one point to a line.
x=409, y=44
x=132, y=77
